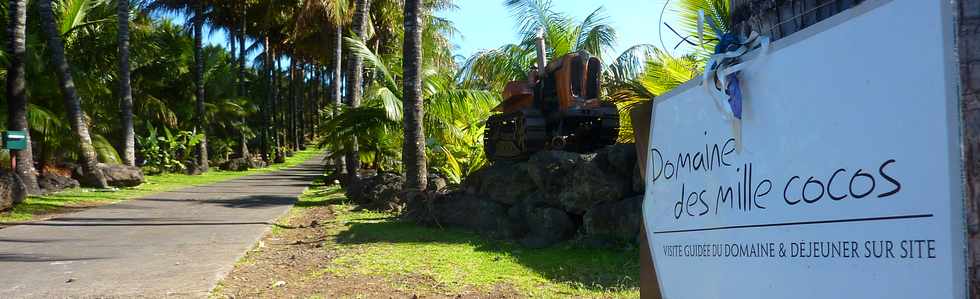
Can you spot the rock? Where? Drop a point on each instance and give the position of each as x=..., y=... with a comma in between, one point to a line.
x=118, y=175
x=12, y=190
x=619, y=158
x=237, y=164
x=257, y=164
x=50, y=182
x=435, y=182
x=379, y=192
x=458, y=209
x=191, y=168
x=547, y=226
x=550, y=171
x=503, y=182
x=217, y=163
x=615, y=221
x=543, y=200
x=88, y=179
x=589, y=184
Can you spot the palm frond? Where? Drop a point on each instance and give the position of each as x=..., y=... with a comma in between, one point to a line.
x=595, y=34
x=715, y=11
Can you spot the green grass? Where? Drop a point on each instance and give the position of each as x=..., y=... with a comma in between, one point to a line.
x=36, y=206
x=377, y=244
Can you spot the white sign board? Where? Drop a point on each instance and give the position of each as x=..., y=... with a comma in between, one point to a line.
x=846, y=180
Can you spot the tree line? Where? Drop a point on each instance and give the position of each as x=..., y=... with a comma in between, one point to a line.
x=375, y=82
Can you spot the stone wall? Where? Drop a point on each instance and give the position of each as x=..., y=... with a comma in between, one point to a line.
x=552, y=197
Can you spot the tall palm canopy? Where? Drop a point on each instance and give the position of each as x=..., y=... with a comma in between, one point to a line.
x=119, y=82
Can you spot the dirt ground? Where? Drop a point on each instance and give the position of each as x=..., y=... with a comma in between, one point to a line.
x=289, y=263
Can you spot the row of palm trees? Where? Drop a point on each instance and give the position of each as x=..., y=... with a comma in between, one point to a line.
x=307, y=34
x=373, y=81
x=17, y=94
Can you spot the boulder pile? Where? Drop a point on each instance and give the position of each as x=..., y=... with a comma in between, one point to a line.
x=241, y=164
x=378, y=192
x=12, y=190
x=52, y=182
x=551, y=197
x=117, y=175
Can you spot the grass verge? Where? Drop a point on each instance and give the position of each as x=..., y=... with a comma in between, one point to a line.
x=36, y=207
x=367, y=243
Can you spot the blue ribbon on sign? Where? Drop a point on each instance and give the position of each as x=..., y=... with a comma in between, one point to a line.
x=734, y=93
x=721, y=77
x=730, y=42
x=726, y=42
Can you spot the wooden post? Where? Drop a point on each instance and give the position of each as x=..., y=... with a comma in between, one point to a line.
x=649, y=287
x=968, y=49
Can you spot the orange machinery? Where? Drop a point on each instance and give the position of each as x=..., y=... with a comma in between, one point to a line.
x=557, y=108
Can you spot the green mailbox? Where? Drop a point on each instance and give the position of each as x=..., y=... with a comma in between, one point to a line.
x=15, y=140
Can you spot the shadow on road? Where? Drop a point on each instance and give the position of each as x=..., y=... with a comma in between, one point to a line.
x=34, y=258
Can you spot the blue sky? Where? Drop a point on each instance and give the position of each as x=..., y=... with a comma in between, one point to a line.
x=486, y=24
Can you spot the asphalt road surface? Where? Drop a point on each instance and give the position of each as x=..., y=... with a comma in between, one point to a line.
x=172, y=244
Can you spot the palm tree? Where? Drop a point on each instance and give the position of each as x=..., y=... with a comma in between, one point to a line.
x=241, y=49
x=717, y=11
x=453, y=118
x=17, y=90
x=201, y=122
x=291, y=105
x=494, y=68
x=643, y=71
x=413, y=152
x=72, y=101
x=334, y=14
x=297, y=104
x=269, y=115
x=355, y=80
x=125, y=87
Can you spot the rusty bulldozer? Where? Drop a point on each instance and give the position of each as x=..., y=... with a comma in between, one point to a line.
x=557, y=108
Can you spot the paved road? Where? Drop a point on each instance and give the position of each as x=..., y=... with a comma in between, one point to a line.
x=172, y=244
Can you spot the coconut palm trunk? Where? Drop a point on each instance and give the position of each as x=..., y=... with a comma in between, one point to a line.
x=336, y=85
x=125, y=86
x=17, y=90
x=291, y=105
x=355, y=80
x=200, y=126
x=338, y=54
x=413, y=151
x=300, y=119
x=269, y=98
x=93, y=175
x=233, y=45
x=241, y=53
x=276, y=109
x=317, y=104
